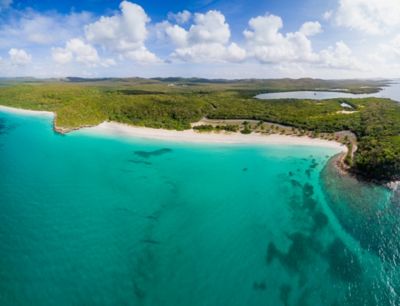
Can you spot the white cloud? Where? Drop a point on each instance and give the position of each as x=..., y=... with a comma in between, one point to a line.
x=265, y=30
x=178, y=35
x=211, y=52
x=378, y=18
x=340, y=57
x=141, y=55
x=209, y=28
x=311, y=28
x=369, y=16
x=19, y=57
x=81, y=52
x=76, y=49
x=61, y=55
x=180, y=17
x=197, y=42
x=234, y=53
x=206, y=40
x=123, y=33
x=268, y=45
x=84, y=53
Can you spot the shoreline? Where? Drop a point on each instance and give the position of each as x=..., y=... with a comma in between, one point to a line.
x=192, y=136
x=186, y=136
x=27, y=112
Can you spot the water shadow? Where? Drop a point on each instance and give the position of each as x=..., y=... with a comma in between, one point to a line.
x=148, y=154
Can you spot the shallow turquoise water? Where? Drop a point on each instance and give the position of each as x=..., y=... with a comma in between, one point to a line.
x=100, y=221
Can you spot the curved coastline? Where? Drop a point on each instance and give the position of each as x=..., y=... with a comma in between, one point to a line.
x=187, y=136
x=192, y=136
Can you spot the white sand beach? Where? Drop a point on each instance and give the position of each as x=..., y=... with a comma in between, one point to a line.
x=191, y=136
x=26, y=112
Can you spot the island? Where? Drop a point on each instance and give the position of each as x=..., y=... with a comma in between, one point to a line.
x=369, y=127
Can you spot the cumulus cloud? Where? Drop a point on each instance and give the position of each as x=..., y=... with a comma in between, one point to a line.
x=206, y=40
x=123, y=33
x=79, y=39
x=369, y=16
x=61, y=55
x=76, y=49
x=178, y=35
x=209, y=28
x=180, y=17
x=311, y=28
x=340, y=56
x=19, y=57
x=210, y=52
x=268, y=45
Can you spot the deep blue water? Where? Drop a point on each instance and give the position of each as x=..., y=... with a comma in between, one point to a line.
x=90, y=220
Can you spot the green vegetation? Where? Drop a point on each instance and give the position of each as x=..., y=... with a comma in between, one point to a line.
x=217, y=128
x=176, y=103
x=246, y=129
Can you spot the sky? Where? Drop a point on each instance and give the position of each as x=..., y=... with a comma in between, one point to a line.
x=200, y=38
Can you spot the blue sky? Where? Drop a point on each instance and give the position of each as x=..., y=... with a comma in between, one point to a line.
x=203, y=38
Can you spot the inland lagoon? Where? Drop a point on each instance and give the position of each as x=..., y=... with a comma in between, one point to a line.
x=106, y=220
x=390, y=91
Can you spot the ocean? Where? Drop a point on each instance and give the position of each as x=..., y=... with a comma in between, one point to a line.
x=102, y=220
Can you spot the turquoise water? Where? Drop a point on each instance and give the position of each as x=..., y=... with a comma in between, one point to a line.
x=90, y=220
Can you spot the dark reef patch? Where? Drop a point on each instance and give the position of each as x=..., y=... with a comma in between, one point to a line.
x=308, y=200
x=295, y=183
x=5, y=127
x=2, y=125
x=300, y=252
x=259, y=286
x=320, y=220
x=303, y=299
x=153, y=217
x=284, y=294
x=314, y=164
x=343, y=263
x=138, y=291
x=272, y=252
x=308, y=190
x=148, y=154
